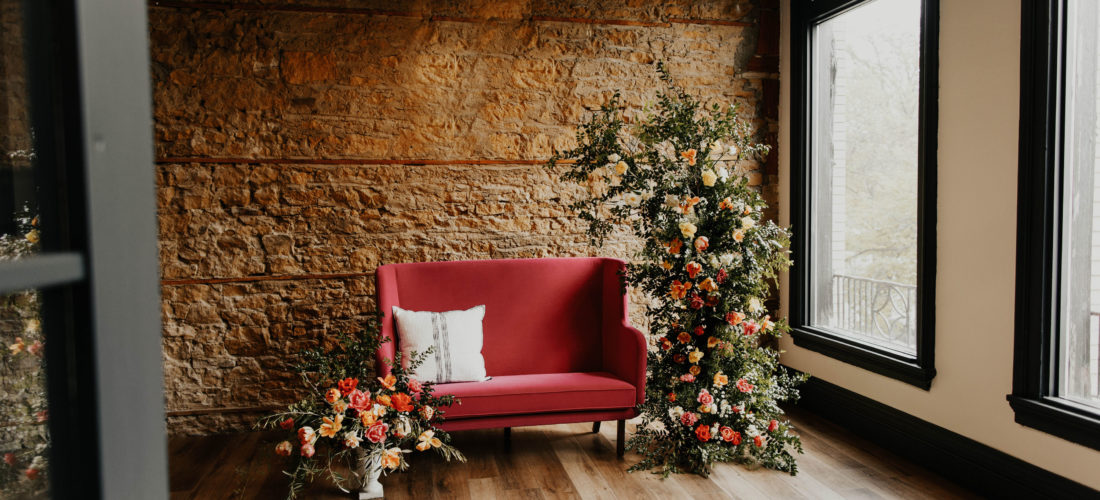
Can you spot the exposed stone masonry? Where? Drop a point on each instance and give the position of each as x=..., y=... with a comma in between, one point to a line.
x=302, y=144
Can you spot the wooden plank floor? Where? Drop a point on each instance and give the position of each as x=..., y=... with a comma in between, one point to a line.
x=564, y=461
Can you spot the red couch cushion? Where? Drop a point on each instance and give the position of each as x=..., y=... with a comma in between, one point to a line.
x=538, y=393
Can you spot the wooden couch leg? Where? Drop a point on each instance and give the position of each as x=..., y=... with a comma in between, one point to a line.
x=620, y=448
x=595, y=427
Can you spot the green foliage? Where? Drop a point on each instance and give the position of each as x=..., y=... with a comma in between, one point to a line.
x=677, y=179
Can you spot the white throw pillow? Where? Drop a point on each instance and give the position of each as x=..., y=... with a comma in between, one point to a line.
x=456, y=337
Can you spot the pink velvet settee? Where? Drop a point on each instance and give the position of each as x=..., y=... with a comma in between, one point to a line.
x=557, y=342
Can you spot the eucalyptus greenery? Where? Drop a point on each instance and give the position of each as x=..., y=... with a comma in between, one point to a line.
x=678, y=178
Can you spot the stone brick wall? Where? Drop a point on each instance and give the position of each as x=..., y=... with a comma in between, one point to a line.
x=302, y=144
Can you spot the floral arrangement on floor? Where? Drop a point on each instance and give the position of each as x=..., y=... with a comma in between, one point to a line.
x=677, y=178
x=24, y=433
x=350, y=416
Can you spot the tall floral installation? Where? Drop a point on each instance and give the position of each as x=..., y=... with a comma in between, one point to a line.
x=24, y=435
x=677, y=179
x=351, y=420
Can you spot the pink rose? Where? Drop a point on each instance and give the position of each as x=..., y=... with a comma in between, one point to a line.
x=689, y=418
x=773, y=425
x=31, y=473
x=9, y=458
x=307, y=450
x=414, y=386
x=306, y=435
x=705, y=397
x=696, y=301
x=359, y=400
x=687, y=377
x=751, y=328
x=744, y=385
x=759, y=441
x=377, y=432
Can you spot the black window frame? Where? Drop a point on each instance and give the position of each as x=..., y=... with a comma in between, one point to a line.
x=918, y=370
x=1042, y=106
x=91, y=112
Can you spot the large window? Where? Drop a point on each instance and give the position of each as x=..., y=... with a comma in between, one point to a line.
x=864, y=131
x=1057, y=374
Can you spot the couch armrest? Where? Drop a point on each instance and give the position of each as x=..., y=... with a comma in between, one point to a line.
x=386, y=286
x=624, y=355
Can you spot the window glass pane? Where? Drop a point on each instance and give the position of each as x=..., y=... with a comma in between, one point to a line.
x=24, y=438
x=1078, y=377
x=18, y=217
x=866, y=69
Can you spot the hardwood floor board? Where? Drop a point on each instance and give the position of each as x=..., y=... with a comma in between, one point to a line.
x=563, y=461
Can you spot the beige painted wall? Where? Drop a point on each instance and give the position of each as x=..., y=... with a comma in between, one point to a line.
x=979, y=112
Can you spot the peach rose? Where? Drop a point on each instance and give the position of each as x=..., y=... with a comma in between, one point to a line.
x=720, y=379
x=702, y=243
x=332, y=395
x=284, y=449
x=391, y=458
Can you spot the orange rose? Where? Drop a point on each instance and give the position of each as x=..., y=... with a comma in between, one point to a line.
x=708, y=285
x=684, y=337
x=666, y=265
x=720, y=379
x=694, y=370
x=689, y=155
x=693, y=269
x=703, y=432
x=734, y=318
x=389, y=382
x=674, y=246
x=401, y=402
x=666, y=344
x=384, y=400
x=725, y=204
x=679, y=290
x=368, y=418
x=332, y=395
x=711, y=342
x=688, y=205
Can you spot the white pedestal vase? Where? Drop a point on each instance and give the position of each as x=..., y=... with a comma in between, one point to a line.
x=369, y=470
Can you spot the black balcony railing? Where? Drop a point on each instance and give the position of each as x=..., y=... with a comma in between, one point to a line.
x=882, y=311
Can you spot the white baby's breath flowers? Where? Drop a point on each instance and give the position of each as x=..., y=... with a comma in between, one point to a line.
x=732, y=150
x=672, y=202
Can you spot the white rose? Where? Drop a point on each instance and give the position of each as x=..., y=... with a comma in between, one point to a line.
x=613, y=157
x=709, y=177
x=747, y=223
x=756, y=305
x=723, y=173
x=733, y=150
x=672, y=202
x=632, y=199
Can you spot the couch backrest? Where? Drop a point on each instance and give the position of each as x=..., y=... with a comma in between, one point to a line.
x=541, y=315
